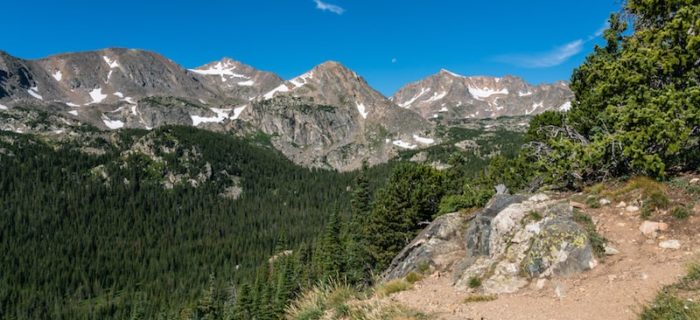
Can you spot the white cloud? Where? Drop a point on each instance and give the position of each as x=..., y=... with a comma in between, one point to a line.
x=329, y=7
x=600, y=31
x=548, y=59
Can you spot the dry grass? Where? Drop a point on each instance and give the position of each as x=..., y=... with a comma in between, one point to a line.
x=479, y=298
x=337, y=300
x=391, y=287
x=413, y=277
x=644, y=185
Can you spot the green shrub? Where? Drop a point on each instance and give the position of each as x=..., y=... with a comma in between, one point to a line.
x=658, y=200
x=671, y=302
x=667, y=306
x=532, y=216
x=680, y=213
x=597, y=240
x=474, y=282
x=593, y=202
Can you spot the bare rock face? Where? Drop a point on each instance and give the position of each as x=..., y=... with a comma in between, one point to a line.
x=330, y=117
x=513, y=240
x=449, y=96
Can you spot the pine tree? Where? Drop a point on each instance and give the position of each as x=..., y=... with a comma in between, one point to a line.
x=244, y=305
x=402, y=207
x=207, y=306
x=358, y=258
x=332, y=250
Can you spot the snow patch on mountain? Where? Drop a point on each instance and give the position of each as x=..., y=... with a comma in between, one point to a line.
x=437, y=96
x=281, y=88
x=97, y=95
x=302, y=79
x=34, y=92
x=221, y=69
x=237, y=111
x=3, y=107
x=57, y=75
x=535, y=106
x=221, y=115
x=524, y=94
x=111, y=63
x=423, y=140
x=112, y=124
x=483, y=93
x=247, y=83
x=565, y=107
x=73, y=112
x=412, y=100
x=362, y=110
x=452, y=73
x=404, y=145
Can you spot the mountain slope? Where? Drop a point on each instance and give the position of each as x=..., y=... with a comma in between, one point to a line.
x=106, y=76
x=447, y=95
x=147, y=216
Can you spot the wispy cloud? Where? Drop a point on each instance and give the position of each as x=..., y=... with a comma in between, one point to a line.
x=548, y=59
x=600, y=31
x=553, y=57
x=328, y=7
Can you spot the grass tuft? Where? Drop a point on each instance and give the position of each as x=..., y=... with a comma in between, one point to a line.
x=680, y=213
x=677, y=301
x=413, y=277
x=391, y=287
x=474, y=282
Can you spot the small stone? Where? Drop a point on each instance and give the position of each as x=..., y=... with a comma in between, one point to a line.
x=604, y=202
x=610, y=251
x=577, y=205
x=541, y=283
x=632, y=209
x=670, y=244
x=694, y=180
x=622, y=204
x=650, y=228
x=540, y=197
x=560, y=291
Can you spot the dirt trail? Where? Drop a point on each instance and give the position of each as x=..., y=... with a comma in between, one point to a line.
x=615, y=289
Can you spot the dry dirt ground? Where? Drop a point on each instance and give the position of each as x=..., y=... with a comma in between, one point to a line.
x=616, y=289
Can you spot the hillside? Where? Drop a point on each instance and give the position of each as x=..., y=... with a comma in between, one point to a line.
x=92, y=226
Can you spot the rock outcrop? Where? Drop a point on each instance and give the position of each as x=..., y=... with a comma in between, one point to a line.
x=513, y=240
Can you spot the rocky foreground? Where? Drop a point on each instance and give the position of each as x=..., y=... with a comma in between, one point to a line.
x=537, y=257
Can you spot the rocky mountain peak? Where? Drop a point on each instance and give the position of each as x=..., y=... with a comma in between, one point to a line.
x=451, y=96
x=231, y=78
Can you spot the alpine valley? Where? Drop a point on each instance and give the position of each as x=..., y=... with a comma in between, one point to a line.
x=134, y=188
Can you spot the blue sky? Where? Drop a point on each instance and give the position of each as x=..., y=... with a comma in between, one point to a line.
x=390, y=43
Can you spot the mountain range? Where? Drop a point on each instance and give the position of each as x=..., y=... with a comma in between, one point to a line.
x=328, y=117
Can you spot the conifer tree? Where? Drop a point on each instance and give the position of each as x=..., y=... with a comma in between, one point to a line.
x=332, y=249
